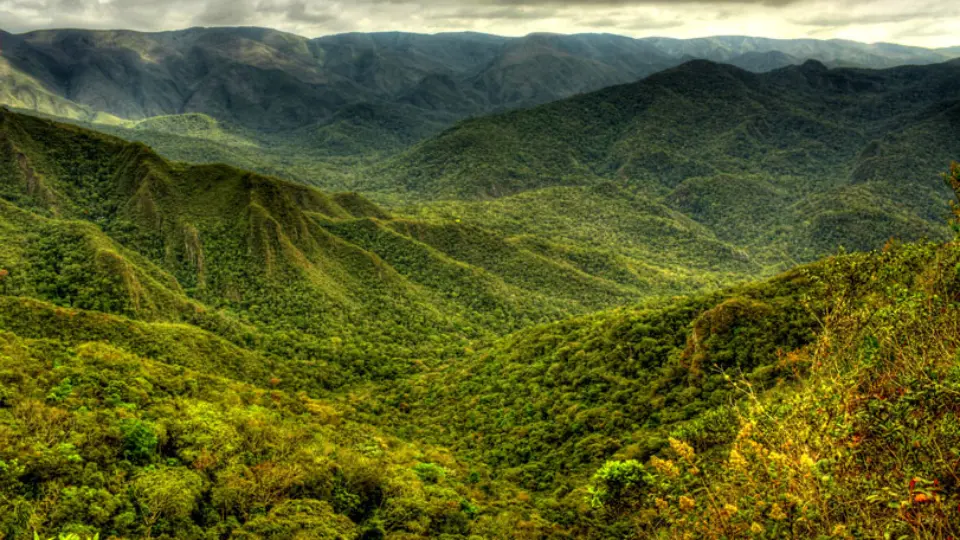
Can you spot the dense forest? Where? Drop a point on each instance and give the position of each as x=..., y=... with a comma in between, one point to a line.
x=158, y=383
x=711, y=304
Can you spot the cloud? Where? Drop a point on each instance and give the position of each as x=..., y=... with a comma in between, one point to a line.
x=512, y=13
x=237, y=12
x=862, y=17
x=298, y=11
x=830, y=20
x=921, y=22
x=924, y=30
x=628, y=3
x=634, y=23
x=604, y=23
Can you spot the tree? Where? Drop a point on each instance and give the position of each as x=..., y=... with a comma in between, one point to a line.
x=166, y=493
x=4, y=274
x=618, y=484
x=139, y=441
x=953, y=180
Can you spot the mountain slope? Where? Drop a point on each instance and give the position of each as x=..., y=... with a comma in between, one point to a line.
x=98, y=440
x=135, y=75
x=267, y=80
x=698, y=118
x=754, y=383
x=96, y=223
x=782, y=164
x=162, y=293
x=867, y=430
x=546, y=404
x=593, y=226
x=820, y=370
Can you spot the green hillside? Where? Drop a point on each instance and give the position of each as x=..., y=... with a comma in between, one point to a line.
x=814, y=404
x=768, y=170
x=775, y=168
x=123, y=273
x=736, y=387
x=98, y=440
x=782, y=167
x=546, y=404
x=865, y=446
x=604, y=229
x=118, y=262
x=803, y=125
x=96, y=223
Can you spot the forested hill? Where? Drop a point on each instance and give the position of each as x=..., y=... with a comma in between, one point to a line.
x=824, y=127
x=97, y=223
x=785, y=165
x=134, y=75
x=700, y=174
x=773, y=409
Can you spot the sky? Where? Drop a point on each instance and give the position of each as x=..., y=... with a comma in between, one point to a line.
x=925, y=23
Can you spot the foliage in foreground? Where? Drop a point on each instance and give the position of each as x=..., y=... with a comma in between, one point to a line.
x=546, y=404
x=868, y=445
x=96, y=440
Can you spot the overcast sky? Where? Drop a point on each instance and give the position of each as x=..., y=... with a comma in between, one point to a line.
x=928, y=23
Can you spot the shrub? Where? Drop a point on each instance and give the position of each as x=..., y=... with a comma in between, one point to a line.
x=429, y=473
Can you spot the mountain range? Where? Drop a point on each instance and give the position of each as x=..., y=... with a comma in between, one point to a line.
x=273, y=83
x=111, y=253
x=690, y=177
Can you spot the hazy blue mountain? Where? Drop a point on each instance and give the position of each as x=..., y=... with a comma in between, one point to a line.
x=763, y=61
x=835, y=52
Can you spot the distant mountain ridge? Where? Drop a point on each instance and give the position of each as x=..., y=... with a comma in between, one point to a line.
x=273, y=82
